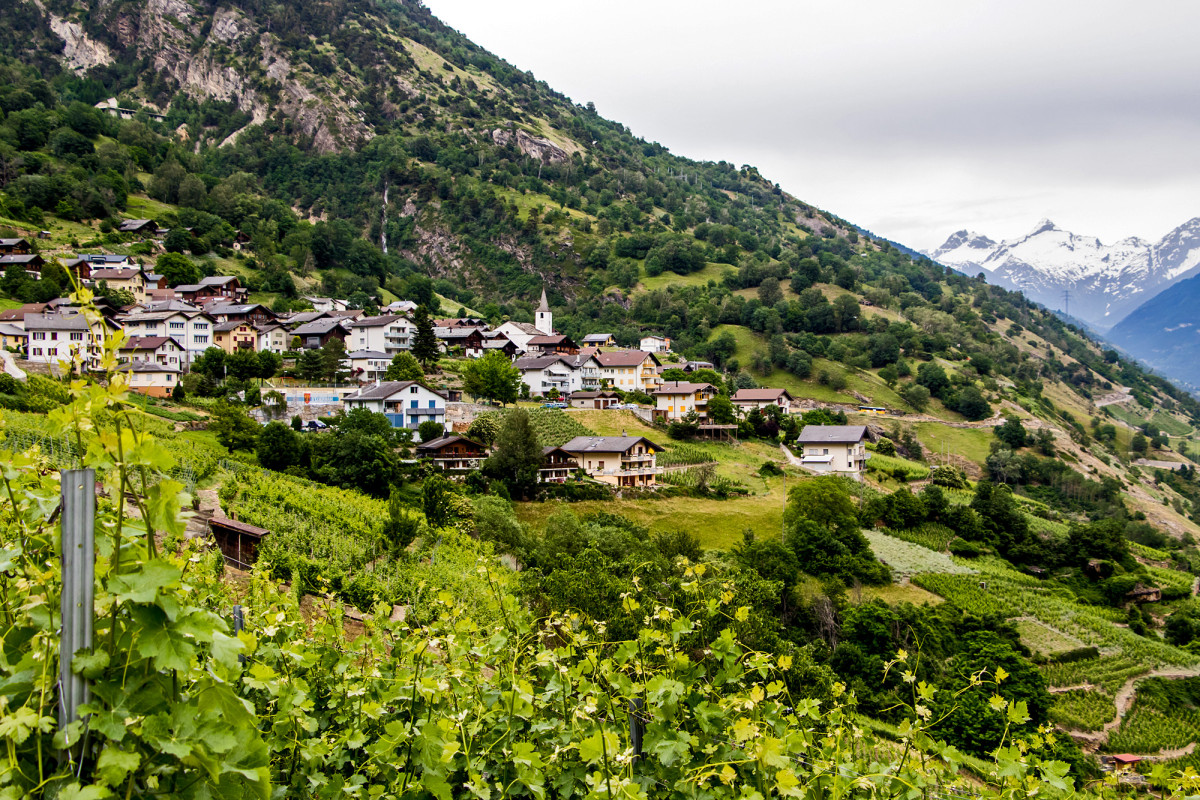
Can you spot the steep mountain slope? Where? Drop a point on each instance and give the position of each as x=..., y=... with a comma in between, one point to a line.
x=1105, y=282
x=1164, y=332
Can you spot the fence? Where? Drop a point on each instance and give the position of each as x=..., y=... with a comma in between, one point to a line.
x=63, y=453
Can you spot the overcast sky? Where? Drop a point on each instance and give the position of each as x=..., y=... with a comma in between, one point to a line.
x=913, y=119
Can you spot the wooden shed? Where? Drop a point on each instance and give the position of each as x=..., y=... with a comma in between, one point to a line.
x=239, y=542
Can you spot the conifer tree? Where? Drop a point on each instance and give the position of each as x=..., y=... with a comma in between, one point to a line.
x=425, y=343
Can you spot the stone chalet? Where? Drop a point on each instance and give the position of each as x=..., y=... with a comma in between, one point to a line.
x=746, y=400
x=455, y=455
x=674, y=400
x=616, y=460
x=406, y=404
x=833, y=448
x=557, y=465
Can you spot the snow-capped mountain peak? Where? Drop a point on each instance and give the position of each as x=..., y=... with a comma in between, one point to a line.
x=1105, y=282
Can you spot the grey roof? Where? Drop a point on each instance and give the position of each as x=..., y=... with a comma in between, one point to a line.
x=831, y=434
x=442, y=441
x=301, y=317
x=319, y=327
x=150, y=366
x=8, y=329
x=543, y=306
x=682, y=387
x=376, y=322
x=22, y=259
x=384, y=390
x=134, y=224
x=123, y=274
x=757, y=395
x=367, y=354
x=13, y=242
x=498, y=344
x=232, y=308
x=597, y=337
x=592, y=395
x=104, y=258
x=56, y=322
x=605, y=444
x=455, y=333
x=218, y=280
x=538, y=362
x=224, y=327
x=525, y=327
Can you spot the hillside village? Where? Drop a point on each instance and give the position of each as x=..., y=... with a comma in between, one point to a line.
x=447, y=439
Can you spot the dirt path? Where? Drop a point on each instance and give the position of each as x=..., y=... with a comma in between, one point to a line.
x=1123, y=702
x=796, y=462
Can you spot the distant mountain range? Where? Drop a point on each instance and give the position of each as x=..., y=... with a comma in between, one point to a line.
x=1164, y=333
x=1106, y=283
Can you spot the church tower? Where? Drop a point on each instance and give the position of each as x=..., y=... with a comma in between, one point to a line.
x=543, y=320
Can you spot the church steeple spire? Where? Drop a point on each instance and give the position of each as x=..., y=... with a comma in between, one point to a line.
x=543, y=320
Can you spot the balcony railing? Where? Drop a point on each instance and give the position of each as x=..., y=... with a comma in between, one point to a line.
x=628, y=472
x=638, y=459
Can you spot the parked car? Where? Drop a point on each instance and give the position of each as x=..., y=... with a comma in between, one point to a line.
x=315, y=425
x=554, y=404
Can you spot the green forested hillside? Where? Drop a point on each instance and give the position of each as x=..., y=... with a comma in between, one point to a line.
x=368, y=152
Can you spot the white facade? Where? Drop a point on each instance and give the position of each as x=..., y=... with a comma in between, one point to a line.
x=519, y=333
x=565, y=373
x=391, y=335
x=406, y=404
x=50, y=338
x=655, y=344
x=674, y=401
x=629, y=370
x=274, y=338
x=194, y=330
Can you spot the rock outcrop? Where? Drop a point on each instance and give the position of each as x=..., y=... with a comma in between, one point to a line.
x=543, y=150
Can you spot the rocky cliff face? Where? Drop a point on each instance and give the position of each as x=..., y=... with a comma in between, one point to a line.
x=225, y=56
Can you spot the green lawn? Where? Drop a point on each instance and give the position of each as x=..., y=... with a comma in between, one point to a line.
x=6, y=304
x=613, y=423
x=711, y=272
x=140, y=207
x=717, y=523
x=970, y=443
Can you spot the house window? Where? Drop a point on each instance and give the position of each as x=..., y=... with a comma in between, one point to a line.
x=433, y=404
x=53, y=336
x=413, y=390
x=176, y=326
x=200, y=339
x=200, y=326
x=39, y=336
x=413, y=404
x=76, y=337
x=599, y=465
x=37, y=351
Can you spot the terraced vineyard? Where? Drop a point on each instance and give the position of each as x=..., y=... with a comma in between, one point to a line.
x=554, y=427
x=1083, y=710
x=1107, y=673
x=1012, y=594
x=1162, y=718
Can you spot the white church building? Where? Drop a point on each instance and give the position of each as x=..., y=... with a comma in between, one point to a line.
x=521, y=332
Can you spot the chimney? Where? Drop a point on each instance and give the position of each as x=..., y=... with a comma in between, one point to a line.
x=623, y=433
